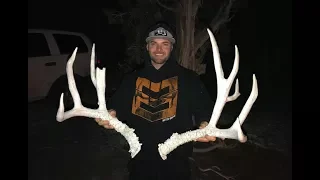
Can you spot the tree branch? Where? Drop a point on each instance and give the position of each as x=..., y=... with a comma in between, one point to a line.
x=202, y=50
x=166, y=7
x=221, y=17
x=214, y=169
x=195, y=7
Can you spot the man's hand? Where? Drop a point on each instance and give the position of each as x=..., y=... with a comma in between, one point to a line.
x=206, y=138
x=105, y=123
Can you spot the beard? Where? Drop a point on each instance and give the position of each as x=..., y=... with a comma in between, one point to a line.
x=159, y=59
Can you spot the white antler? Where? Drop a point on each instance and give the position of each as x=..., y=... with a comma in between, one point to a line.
x=224, y=85
x=98, y=80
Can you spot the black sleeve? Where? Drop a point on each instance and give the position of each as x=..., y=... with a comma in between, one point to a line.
x=202, y=103
x=115, y=101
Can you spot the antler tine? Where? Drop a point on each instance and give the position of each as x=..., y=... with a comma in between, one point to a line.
x=92, y=66
x=252, y=98
x=216, y=57
x=98, y=80
x=236, y=93
x=101, y=87
x=235, y=68
x=236, y=127
x=71, y=81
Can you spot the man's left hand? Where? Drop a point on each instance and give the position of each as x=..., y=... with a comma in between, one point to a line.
x=206, y=138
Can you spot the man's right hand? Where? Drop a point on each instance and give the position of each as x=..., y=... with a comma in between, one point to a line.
x=105, y=123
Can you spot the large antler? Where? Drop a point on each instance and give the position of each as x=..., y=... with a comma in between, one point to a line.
x=98, y=80
x=223, y=85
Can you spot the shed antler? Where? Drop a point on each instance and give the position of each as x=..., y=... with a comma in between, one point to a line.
x=98, y=80
x=223, y=85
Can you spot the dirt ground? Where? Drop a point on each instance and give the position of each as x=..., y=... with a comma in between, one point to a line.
x=245, y=162
x=82, y=158
x=78, y=149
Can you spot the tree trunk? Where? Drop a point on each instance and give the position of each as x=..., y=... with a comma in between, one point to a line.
x=185, y=35
x=190, y=43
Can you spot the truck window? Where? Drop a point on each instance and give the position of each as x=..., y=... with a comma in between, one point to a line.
x=37, y=45
x=67, y=43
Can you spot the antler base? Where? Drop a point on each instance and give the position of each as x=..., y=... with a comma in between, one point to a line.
x=176, y=139
x=128, y=134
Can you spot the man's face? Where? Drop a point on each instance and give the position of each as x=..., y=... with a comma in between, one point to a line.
x=159, y=50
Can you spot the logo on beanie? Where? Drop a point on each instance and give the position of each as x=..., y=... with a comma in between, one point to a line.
x=160, y=32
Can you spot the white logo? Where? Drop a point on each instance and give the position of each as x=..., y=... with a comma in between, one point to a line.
x=169, y=118
x=160, y=32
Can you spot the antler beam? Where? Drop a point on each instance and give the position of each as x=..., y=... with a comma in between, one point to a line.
x=223, y=85
x=98, y=80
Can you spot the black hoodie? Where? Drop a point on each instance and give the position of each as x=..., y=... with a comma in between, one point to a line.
x=157, y=103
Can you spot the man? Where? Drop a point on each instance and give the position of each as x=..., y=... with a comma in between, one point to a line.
x=159, y=100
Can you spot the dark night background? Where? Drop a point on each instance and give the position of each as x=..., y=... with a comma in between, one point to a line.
x=261, y=29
